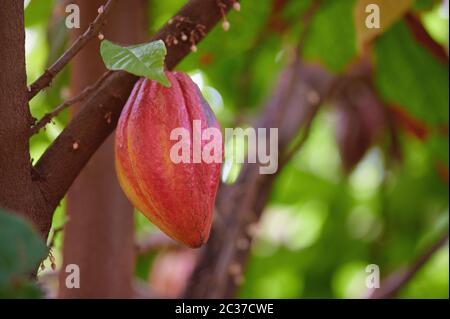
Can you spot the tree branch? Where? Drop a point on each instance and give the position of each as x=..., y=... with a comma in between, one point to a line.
x=94, y=29
x=396, y=281
x=78, y=98
x=72, y=149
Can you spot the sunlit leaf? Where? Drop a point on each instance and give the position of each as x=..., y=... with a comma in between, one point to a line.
x=408, y=75
x=145, y=59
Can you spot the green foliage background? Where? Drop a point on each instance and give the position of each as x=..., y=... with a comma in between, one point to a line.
x=321, y=228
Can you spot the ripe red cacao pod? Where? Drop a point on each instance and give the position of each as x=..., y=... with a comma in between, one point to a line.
x=176, y=197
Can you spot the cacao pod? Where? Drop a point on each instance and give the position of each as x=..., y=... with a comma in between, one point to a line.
x=176, y=197
x=360, y=115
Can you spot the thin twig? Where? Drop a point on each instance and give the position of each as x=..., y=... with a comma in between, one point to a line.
x=93, y=30
x=56, y=231
x=396, y=281
x=50, y=245
x=47, y=118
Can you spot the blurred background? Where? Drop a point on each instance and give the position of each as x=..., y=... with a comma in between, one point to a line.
x=368, y=186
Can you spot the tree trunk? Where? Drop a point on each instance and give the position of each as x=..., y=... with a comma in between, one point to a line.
x=18, y=193
x=99, y=236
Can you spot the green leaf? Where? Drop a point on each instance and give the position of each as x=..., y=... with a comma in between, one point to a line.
x=21, y=288
x=21, y=251
x=424, y=5
x=145, y=59
x=331, y=38
x=409, y=76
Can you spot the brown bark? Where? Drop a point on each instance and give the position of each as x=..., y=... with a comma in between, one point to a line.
x=99, y=236
x=17, y=191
